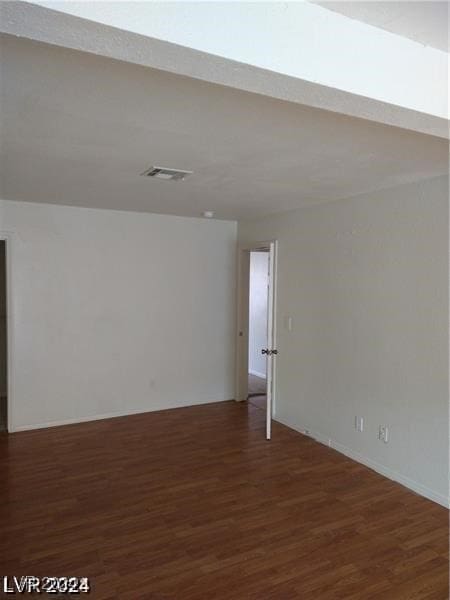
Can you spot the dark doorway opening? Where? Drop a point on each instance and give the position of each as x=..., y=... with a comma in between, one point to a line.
x=3, y=341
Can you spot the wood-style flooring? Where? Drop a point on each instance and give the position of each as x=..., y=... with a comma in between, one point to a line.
x=194, y=504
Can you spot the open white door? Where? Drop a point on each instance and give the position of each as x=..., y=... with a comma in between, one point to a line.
x=242, y=341
x=270, y=351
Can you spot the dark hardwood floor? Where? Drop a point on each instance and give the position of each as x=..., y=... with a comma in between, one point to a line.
x=194, y=504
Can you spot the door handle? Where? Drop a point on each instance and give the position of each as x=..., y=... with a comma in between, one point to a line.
x=268, y=352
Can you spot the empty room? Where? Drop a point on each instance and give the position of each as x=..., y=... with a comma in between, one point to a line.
x=224, y=300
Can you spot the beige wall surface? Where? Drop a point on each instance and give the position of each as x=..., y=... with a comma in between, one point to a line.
x=117, y=312
x=366, y=282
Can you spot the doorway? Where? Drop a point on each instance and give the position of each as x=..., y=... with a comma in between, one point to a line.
x=257, y=328
x=256, y=352
x=3, y=341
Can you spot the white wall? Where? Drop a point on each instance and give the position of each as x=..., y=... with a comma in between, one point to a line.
x=366, y=281
x=117, y=312
x=257, y=330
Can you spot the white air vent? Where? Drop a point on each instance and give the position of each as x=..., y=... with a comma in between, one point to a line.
x=165, y=173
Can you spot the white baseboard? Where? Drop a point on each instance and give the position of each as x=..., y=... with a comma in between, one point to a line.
x=76, y=420
x=257, y=373
x=411, y=484
x=112, y=415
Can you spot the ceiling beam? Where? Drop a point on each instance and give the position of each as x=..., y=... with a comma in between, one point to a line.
x=325, y=61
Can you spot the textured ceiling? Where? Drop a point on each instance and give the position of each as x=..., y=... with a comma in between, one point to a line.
x=297, y=51
x=424, y=22
x=78, y=129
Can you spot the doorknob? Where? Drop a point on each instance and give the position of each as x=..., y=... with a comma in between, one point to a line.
x=265, y=351
x=268, y=352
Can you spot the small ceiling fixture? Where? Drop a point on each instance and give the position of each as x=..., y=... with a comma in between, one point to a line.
x=166, y=173
x=208, y=214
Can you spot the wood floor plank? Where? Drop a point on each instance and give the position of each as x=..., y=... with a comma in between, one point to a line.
x=194, y=504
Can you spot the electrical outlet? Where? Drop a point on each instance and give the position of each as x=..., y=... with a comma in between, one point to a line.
x=359, y=423
x=383, y=433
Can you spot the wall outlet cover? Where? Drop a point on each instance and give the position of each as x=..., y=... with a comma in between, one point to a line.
x=383, y=433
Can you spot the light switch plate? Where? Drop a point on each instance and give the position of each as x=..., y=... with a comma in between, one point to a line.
x=288, y=323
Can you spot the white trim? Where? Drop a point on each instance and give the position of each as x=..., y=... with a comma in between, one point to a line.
x=257, y=373
x=78, y=420
x=271, y=340
x=112, y=415
x=411, y=484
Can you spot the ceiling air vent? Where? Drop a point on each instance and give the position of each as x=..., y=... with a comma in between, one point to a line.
x=165, y=173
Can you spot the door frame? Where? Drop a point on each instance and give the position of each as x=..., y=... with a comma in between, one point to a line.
x=7, y=238
x=242, y=329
